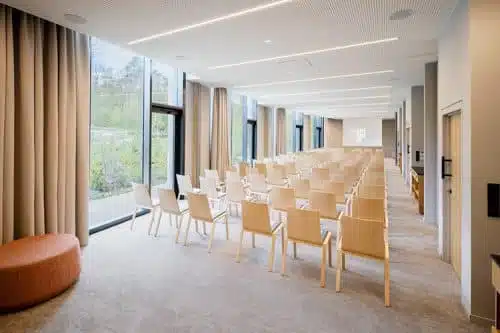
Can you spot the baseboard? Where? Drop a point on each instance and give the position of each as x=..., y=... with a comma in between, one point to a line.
x=486, y=322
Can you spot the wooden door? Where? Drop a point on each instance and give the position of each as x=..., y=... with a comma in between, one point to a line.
x=455, y=192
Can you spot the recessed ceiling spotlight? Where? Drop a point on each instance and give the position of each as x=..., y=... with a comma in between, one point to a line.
x=401, y=14
x=268, y=41
x=76, y=19
x=213, y=20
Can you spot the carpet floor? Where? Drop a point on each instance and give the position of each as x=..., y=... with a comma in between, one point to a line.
x=132, y=282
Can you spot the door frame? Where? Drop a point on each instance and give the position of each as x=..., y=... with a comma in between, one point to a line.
x=254, y=140
x=446, y=206
x=300, y=138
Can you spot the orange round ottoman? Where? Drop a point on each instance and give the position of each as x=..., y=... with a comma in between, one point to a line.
x=35, y=269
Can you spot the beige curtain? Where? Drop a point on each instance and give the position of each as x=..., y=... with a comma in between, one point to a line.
x=263, y=115
x=333, y=133
x=307, y=132
x=44, y=122
x=219, y=152
x=280, y=131
x=197, y=157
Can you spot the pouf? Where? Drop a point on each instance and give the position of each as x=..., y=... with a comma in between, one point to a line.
x=36, y=269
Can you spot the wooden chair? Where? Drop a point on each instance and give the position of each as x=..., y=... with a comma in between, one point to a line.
x=371, y=191
x=235, y=194
x=275, y=177
x=369, y=209
x=256, y=221
x=261, y=168
x=243, y=169
x=258, y=186
x=170, y=205
x=208, y=186
x=302, y=188
x=303, y=226
x=214, y=174
x=336, y=188
x=325, y=203
x=232, y=176
x=199, y=210
x=363, y=238
x=185, y=185
x=320, y=173
x=290, y=169
x=143, y=201
x=282, y=199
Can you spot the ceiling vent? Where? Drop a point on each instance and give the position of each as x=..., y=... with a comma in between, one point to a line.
x=401, y=14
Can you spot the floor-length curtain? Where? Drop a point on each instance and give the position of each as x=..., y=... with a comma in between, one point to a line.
x=263, y=115
x=333, y=133
x=219, y=152
x=44, y=123
x=280, y=131
x=197, y=130
x=307, y=132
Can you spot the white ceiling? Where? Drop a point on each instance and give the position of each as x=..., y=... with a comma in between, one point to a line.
x=295, y=27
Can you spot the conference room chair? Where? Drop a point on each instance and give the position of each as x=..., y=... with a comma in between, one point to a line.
x=281, y=200
x=208, y=186
x=303, y=226
x=371, y=191
x=243, y=169
x=214, y=174
x=302, y=189
x=291, y=170
x=366, y=239
x=258, y=186
x=261, y=168
x=171, y=206
x=235, y=194
x=185, y=185
x=275, y=177
x=369, y=209
x=337, y=188
x=143, y=201
x=320, y=174
x=233, y=176
x=255, y=220
x=325, y=203
x=199, y=210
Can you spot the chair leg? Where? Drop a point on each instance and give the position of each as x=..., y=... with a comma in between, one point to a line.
x=179, y=225
x=253, y=240
x=170, y=219
x=204, y=228
x=152, y=220
x=158, y=224
x=387, y=284
x=323, y=266
x=339, y=270
x=187, y=231
x=242, y=233
x=177, y=221
x=133, y=219
x=196, y=226
x=211, y=237
x=283, y=259
x=227, y=227
x=271, y=253
x=283, y=252
x=330, y=252
x=343, y=261
x=294, y=250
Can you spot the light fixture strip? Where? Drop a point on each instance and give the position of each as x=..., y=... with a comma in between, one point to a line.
x=307, y=53
x=327, y=100
x=342, y=76
x=319, y=92
x=212, y=21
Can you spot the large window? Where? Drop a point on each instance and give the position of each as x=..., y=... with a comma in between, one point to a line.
x=166, y=85
x=290, y=131
x=236, y=128
x=115, y=130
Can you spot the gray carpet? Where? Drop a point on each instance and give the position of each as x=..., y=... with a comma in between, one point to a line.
x=135, y=283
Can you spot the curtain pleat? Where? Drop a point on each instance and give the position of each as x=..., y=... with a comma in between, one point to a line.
x=262, y=132
x=219, y=152
x=280, y=131
x=307, y=132
x=44, y=118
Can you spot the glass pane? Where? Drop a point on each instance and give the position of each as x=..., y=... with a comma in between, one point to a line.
x=166, y=85
x=161, y=158
x=115, y=131
x=290, y=130
x=249, y=141
x=236, y=129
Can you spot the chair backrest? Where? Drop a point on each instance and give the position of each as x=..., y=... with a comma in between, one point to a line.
x=185, y=185
x=282, y=198
x=232, y=176
x=316, y=183
x=368, y=209
x=243, y=168
x=198, y=207
x=142, y=196
x=261, y=168
x=325, y=203
x=255, y=217
x=274, y=177
x=208, y=186
x=214, y=174
x=320, y=173
x=235, y=191
x=290, y=168
x=302, y=188
x=280, y=169
x=362, y=237
x=168, y=201
x=371, y=191
x=304, y=225
x=258, y=182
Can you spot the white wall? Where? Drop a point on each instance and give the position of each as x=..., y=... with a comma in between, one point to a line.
x=453, y=95
x=362, y=132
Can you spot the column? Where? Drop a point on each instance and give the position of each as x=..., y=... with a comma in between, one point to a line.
x=430, y=143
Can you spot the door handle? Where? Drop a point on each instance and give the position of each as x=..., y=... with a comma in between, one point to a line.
x=443, y=167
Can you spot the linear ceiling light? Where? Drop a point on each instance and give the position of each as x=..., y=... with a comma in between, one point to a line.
x=212, y=21
x=342, y=76
x=327, y=100
x=294, y=55
x=319, y=92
